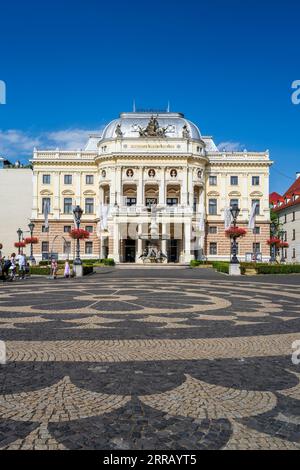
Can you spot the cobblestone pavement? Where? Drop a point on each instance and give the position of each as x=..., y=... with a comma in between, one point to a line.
x=150, y=360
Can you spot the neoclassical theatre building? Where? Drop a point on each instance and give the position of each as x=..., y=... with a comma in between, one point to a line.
x=150, y=182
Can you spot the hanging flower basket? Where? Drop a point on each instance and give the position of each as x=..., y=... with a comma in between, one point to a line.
x=235, y=232
x=273, y=241
x=1, y=246
x=283, y=244
x=20, y=245
x=31, y=240
x=79, y=234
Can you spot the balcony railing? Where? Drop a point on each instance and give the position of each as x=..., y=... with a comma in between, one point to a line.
x=146, y=210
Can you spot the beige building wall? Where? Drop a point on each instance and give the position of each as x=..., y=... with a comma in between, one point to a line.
x=15, y=206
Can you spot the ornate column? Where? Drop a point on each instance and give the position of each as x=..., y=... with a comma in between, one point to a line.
x=190, y=187
x=162, y=187
x=140, y=188
x=184, y=186
x=116, y=243
x=139, y=245
x=187, y=242
x=118, y=186
x=164, y=241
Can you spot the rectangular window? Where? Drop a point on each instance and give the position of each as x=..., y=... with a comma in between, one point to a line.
x=88, y=248
x=212, y=180
x=213, y=248
x=256, y=247
x=294, y=252
x=46, y=179
x=45, y=229
x=68, y=205
x=212, y=230
x=172, y=201
x=294, y=234
x=294, y=217
x=67, y=248
x=212, y=207
x=45, y=247
x=285, y=236
x=89, y=228
x=89, y=205
x=89, y=179
x=234, y=202
x=67, y=228
x=234, y=180
x=67, y=179
x=46, y=202
x=255, y=180
x=284, y=219
x=131, y=201
x=257, y=202
x=256, y=230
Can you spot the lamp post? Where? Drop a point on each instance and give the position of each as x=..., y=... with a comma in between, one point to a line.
x=281, y=234
x=20, y=234
x=234, y=210
x=31, y=228
x=273, y=246
x=77, y=216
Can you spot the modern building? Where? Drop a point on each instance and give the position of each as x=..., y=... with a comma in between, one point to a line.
x=150, y=182
x=15, y=204
x=287, y=208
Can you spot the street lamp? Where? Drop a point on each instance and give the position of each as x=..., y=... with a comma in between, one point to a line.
x=273, y=228
x=281, y=234
x=234, y=210
x=20, y=234
x=31, y=228
x=77, y=211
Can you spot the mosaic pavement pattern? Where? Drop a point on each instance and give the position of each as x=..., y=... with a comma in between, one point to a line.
x=150, y=363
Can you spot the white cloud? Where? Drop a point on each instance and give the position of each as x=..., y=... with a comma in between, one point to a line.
x=16, y=143
x=69, y=139
x=231, y=146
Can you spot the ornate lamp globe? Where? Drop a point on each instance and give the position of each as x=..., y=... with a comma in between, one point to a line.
x=235, y=211
x=78, y=212
x=31, y=226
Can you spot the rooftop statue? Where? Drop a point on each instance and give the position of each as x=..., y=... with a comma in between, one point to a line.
x=152, y=129
x=118, y=131
x=185, y=132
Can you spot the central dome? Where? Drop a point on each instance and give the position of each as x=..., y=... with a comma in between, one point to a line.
x=141, y=125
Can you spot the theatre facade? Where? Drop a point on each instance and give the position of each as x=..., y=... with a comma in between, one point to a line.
x=150, y=184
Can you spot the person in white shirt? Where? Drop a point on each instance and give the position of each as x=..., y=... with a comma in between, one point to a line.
x=22, y=265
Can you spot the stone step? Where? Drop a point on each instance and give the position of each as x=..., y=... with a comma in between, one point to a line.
x=151, y=266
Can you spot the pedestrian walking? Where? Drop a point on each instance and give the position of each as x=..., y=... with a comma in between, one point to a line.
x=67, y=271
x=22, y=265
x=12, y=270
x=54, y=267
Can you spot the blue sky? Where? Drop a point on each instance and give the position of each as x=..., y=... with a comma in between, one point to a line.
x=72, y=66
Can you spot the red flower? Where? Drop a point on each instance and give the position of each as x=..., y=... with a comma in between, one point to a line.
x=33, y=240
x=79, y=234
x=273, y=241
x=20, y=244
x=235, y=232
